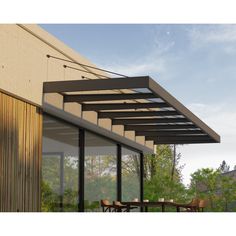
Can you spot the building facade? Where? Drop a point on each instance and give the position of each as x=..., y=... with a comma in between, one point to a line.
x=62, y=147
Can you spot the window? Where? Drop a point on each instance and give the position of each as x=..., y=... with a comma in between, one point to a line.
x=100, y=171
x=60, y=169
x=60, y=172
x=130, y=175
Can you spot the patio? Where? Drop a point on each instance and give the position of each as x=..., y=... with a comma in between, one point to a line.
x=138, y=104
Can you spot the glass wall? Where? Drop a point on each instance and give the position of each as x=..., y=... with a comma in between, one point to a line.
x=60, y=169
x=100, y=171
x=60, y=172
x=130, y=175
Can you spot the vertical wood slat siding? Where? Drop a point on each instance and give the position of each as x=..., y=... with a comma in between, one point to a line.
x=20, y=155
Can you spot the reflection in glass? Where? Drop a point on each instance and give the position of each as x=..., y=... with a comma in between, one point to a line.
x=130, y=175
x=59, y=166
x=100, y=171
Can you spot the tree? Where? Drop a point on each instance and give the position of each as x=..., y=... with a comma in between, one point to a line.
x=162, y=161
x=160, y=179
x=227, y=192
x=204, y=184
x=174, y=162
x=214, y=186
x=224, y=167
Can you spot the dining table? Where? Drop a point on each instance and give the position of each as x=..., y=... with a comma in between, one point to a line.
x=144, y=205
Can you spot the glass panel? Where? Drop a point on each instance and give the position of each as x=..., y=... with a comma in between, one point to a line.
x=100, y=171
x=50, y=186
x=142, y=90
x=59, y=166
x=130, y=175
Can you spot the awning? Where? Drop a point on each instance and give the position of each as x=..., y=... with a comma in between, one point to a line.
x=138, y=103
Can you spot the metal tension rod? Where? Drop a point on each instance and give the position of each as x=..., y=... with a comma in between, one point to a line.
x=80, y=64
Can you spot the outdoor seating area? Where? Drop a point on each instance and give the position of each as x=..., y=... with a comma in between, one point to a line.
x=196, y=205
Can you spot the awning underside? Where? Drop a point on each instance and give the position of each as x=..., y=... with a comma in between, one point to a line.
x=138, y=103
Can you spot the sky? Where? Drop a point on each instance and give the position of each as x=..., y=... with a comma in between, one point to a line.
x=195, y=63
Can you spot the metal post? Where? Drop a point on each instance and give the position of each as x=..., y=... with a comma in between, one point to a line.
x=81, y=170
x=119, y=174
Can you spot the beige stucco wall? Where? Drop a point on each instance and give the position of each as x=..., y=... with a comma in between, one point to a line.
x=24, y=67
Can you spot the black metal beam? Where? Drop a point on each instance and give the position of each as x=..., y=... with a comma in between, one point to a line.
x=148, y=121
x=184, y=142
x=119, y=173
x=106, y=97
x=159, y=127
x=168, y=133
x=119, y=114
x=95, y=84
x=81, y=170
x=120, y=106
x=184, y=138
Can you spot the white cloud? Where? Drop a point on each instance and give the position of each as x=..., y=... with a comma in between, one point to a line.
x=149, y=66
x=207, y=34
x=153, y=63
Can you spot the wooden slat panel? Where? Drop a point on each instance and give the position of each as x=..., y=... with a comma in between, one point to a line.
x=20, y=155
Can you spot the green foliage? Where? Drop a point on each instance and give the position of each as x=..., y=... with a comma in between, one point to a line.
x=217, y=188
x=224, y=167
x=100, y=181
x=162, y=179
x=100, y=187
x=49, y=199
x=50, y=185
x=158, y=176
x=227, y=185
x=204, y=184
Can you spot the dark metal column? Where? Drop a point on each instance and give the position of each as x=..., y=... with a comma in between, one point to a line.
x=81, y=170
x=141, y=177
x=119, y=174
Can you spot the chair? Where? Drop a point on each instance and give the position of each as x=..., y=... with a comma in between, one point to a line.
x=106, y=206
x=202, y=204
x=119, y=207
x=192, y=206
